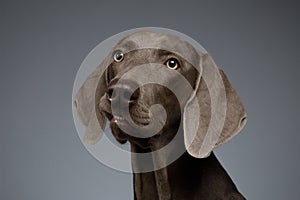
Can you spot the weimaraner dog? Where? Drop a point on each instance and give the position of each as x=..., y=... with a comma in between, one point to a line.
x=196, y=174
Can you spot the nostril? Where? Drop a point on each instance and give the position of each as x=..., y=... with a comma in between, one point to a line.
x=122, y=92
x=135, y=95
x=129, y=95
x=110, y=93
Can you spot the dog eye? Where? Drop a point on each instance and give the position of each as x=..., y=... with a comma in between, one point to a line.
x=118, y=57
x=172, y=63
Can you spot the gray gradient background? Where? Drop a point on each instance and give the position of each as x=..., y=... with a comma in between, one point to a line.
x=44, y=43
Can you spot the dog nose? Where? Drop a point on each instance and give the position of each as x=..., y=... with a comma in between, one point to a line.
x=122, y=92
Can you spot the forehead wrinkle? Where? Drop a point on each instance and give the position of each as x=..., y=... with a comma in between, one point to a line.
x=158, y=40
x=126, y=45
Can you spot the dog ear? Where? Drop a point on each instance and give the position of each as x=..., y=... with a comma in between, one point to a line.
x=221, y=113
x=86, y=104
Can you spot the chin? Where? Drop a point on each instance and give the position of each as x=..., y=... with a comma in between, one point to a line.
x=120, y=136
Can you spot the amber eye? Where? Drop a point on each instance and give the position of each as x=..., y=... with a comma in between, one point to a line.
x=119, y=56
x=172, y=63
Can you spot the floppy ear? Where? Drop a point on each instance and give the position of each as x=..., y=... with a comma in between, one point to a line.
x=86, y=102
x=221, y=113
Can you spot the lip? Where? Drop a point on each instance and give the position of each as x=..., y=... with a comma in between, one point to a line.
x=117, y=119
x=113, y=118
x=120, y=120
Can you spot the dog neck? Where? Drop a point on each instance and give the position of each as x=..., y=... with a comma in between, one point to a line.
x=182, y=179
x=154, y=184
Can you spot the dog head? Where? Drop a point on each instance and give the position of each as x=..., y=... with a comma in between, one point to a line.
x=121, y=96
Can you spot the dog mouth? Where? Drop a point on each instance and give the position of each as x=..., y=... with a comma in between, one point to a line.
x=122, y=128
x=122, y=120
x=119, y=120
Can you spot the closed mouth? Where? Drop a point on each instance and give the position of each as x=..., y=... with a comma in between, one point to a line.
x=121, y=120
x=117, y=119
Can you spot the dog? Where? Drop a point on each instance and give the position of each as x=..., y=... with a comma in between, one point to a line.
x=117, y=95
